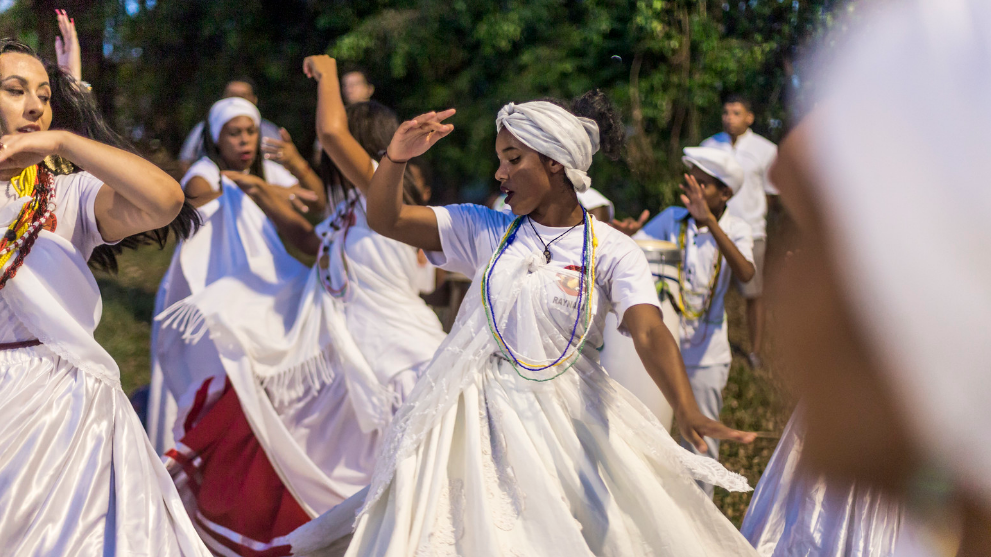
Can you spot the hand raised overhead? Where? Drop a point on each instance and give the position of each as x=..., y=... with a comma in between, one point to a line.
x=414, y=137
x=319, y=66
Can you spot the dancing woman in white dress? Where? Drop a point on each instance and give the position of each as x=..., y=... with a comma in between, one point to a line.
x=77, y=473
x=315, y=364
x=235, y=235
x=515, y=441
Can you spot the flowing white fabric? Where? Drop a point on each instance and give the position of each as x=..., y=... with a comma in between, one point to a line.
x=225, y=110
x=480, y=461
x=906, y=202
x=553, y=131
x=236, y=237
x=78, y=474
x=292, y=353
x=795, y=512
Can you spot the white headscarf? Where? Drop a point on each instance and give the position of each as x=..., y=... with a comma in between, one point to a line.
x=225, y=110
x=553, y=131
x=902, y=154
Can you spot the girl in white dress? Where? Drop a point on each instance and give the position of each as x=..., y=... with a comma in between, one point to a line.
x=515, y=441
x=77, y=473
x=316, y=363
x=235, y=235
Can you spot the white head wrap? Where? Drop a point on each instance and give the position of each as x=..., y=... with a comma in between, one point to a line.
x=225, y=110
x=553, y=131
x=901, y=152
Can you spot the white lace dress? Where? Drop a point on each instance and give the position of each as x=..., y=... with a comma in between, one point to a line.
x=482, y=462
x=78, y=475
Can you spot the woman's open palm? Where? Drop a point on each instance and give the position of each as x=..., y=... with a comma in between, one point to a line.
x=414, y=137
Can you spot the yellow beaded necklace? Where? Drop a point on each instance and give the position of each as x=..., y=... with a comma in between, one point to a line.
x=37, y=183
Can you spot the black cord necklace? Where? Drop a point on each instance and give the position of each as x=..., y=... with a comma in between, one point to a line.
x=547, y=246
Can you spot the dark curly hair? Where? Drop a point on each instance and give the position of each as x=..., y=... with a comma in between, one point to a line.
x=596, y=106
x=372, y=125
x=74, y=110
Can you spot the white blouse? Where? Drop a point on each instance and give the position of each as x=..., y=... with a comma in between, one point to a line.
x=75, y=220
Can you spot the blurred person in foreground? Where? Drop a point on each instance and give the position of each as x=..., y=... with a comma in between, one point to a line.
x=882, y=313
x=755, y=154
x=193, y=148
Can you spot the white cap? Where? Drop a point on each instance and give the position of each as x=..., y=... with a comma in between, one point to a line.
x=716, y=163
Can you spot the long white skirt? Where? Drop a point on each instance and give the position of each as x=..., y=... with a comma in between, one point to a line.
x=78, y=475
x=797, y=513
x=567, y=467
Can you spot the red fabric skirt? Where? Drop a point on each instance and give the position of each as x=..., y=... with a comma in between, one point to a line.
x=235, y=498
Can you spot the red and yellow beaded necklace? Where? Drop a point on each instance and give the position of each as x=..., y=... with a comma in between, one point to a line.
x=38, y=183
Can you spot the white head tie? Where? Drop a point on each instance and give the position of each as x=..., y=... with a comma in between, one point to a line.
x=553, y=131
x=225, y=110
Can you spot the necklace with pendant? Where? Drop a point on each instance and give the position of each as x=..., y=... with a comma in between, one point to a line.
x=547, y=246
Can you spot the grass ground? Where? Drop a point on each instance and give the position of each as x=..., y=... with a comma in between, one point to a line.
x=752, y=399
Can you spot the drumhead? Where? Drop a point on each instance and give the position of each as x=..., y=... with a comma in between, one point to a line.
x=660, y=251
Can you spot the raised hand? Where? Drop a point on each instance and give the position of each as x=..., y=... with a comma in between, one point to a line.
x=281, y=151
x=319, y=66
x=694, y=200
x=629, y=226
x=414, y=137
x=67, y=50
x=21, y=150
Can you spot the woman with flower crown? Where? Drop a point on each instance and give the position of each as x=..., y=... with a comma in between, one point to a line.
x=78, y=476
x=515, y=441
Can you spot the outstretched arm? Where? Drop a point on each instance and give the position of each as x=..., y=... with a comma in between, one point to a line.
x=273, y=201
x=137, y=196
x=332, y=124
x=285, y=153
x=659, y=354
x=387, y=214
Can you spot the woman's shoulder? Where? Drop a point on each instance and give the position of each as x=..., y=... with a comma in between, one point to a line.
x=203, y=168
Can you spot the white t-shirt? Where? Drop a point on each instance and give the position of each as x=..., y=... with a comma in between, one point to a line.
x=392, y=326
x=755, y=154
x=469, y=234
x=704, y=342
x=275, y=174
x=75, y=220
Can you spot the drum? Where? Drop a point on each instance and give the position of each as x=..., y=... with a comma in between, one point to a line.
x=619, y=356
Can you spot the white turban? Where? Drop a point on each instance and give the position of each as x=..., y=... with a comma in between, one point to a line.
x=553, y=131
x=902, y=155
x=225, y=110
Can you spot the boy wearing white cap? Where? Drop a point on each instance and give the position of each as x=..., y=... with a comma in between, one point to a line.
x=715, y=247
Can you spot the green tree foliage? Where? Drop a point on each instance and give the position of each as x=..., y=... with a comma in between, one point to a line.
x=157, y=66
x=666, y=64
